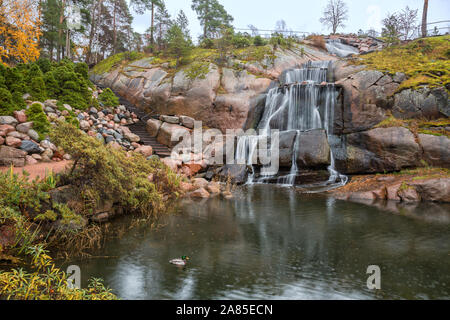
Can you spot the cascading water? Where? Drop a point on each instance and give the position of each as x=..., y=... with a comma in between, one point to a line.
x=298, y=106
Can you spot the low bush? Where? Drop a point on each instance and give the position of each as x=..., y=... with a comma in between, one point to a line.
x=41, y=124
x=108, y=98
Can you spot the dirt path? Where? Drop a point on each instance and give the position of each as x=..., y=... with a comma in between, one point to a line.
x=40, y=169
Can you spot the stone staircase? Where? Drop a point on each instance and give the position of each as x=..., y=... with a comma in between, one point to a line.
x=141, y=130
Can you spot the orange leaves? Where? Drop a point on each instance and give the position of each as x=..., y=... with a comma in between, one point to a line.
x=19, y=30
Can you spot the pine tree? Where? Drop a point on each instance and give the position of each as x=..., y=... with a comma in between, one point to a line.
x=141, y=5
x=212, y=16
x=183, y=22
x=179, y=45
x=163, y=23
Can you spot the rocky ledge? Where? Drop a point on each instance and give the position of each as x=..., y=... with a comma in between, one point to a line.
x=414, y=186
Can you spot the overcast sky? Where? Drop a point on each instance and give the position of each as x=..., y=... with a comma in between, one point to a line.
x=302, y=15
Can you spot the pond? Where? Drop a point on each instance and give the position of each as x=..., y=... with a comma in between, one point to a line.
x=274, y=243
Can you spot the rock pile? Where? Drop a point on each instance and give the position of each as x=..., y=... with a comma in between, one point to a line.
x=20, y=144
x=363, y=44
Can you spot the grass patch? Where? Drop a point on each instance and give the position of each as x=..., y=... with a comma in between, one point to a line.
x=424, y=61
x=433, y=127
x=114, y=61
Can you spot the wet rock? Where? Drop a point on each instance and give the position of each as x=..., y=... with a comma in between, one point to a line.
x=213, y=188
x=200, y=193
x=408, y=194
x=314, y=150
x=236, y=173
x=200, y=183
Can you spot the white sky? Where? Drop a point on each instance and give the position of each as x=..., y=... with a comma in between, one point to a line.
x=302, y=15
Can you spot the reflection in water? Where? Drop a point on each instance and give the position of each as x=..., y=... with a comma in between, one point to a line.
x=274, y=243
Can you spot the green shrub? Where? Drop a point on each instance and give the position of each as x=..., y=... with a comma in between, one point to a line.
x=6, y=102
x=108, y=98
x=197, y=70
x=100, y=172
x=259, y=41
x=207, y=43
x=37, y=89
x=83, y=69
x=44, y=64
x=41, y=124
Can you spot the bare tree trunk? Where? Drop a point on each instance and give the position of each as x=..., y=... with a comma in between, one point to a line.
x=60, y=31
x=424, y=18
x=114, y=28
x=96, y=5
x=152, y=25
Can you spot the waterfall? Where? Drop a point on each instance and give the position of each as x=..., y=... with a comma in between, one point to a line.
x=341, y=50
x=305, y=102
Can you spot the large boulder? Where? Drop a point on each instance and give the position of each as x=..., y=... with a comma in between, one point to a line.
x=437, y=190
x=366, y=99
x=12, y=156
x=421, y=103
x=171, y=134
x=313, y=150
x=378, y=150
x=153, y=127
x=436, y=150
x=235, y=173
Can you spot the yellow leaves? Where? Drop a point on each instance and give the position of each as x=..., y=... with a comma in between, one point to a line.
x=20, y=30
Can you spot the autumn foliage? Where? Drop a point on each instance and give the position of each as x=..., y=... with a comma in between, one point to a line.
x=19, y=31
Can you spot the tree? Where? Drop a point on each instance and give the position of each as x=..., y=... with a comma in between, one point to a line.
x=142, y=5
x=19, y=31
x=254, y=30
x=183, y=22
x=212, y=15
x=281, y=26
x=162, y=24
x=424, y=18
x=178, y=44
x=50, y=10
x=391, y=28
x=407, y=22
x=334, y=15
x=224, y=42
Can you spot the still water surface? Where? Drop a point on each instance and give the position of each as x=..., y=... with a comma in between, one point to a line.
x=274, y=243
